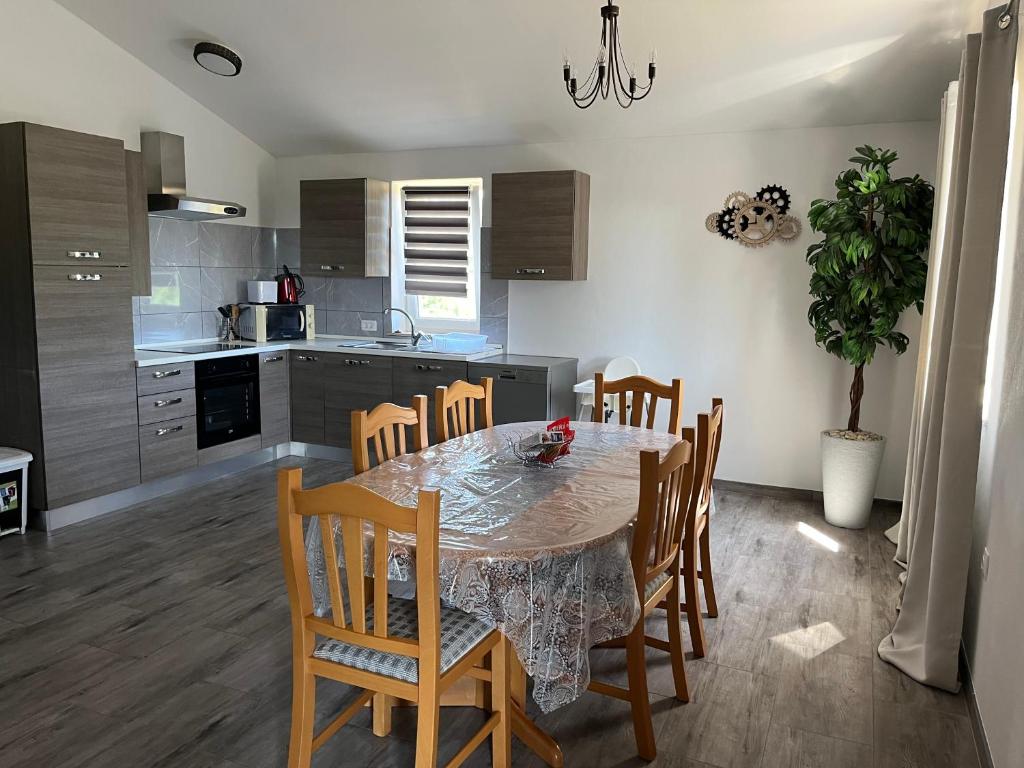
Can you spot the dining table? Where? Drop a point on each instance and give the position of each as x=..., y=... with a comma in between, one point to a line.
x=542, y=553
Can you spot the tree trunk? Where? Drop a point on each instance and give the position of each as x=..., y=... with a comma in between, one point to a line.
x=856, y=393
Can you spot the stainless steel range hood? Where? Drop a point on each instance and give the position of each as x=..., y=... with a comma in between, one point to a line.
x=163, y=155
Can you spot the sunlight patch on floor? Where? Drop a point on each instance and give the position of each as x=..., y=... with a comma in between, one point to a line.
x=817, y=536
x=808, y=642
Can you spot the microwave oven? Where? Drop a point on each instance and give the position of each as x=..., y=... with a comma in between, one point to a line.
x=276, y=322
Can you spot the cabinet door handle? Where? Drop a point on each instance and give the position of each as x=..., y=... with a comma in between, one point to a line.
x=307, y=358
x=511, y=375
x=366, y=362
x=84, y=254
x=530, y=271
x=330, y=268
x=165, y=403
x=422, y=367
x=274, y=359
x=165, y=374
x=80, y=277
x=168, y=430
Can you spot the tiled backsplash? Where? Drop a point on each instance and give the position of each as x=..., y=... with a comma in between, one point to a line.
x=199, y=266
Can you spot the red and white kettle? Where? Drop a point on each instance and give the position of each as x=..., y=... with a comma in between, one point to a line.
x=289, y=286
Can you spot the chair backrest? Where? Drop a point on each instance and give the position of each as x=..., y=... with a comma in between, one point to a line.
x=386, y=426
x=455, y=408
x=364, y=520
x=665, y=490
x=640, y=390
x=707, y=439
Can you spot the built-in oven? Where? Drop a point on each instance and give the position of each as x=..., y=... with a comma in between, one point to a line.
x=227, y=399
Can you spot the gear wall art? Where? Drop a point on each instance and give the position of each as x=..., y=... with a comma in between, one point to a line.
x=755, y=221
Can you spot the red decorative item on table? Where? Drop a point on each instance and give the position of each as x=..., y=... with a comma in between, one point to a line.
x=561, y=425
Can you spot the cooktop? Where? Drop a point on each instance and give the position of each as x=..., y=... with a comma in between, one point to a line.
x=196, y=349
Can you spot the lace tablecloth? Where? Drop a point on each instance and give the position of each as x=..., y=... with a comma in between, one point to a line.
x=541, y=553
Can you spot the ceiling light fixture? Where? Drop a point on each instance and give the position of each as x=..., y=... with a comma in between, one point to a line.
x=216, y=58
x=611, y=74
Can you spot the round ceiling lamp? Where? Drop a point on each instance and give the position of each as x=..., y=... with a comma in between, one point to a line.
x=217, y=58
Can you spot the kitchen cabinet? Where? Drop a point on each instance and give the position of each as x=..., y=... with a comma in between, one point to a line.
x=275, y=403
x=168, y=447
x=306, y=371
x=345, y=226
x=540, y=223
x=529, y=387
x=169, y=377
x=68, y=378
x=417, y=376
x=353, y=383
x=138, y=224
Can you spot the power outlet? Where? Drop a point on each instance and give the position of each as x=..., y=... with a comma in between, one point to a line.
x=984, y=563
x=368, y=325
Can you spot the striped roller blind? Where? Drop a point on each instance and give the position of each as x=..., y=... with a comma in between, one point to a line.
x=436, y=229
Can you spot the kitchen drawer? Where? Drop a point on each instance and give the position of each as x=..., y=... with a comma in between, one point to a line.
x=353, y=383
x=171, y=377
x=511, y=374
x=168, y=447
x=166, y=406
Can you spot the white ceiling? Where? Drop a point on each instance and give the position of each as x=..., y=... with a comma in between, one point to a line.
x=324, y=76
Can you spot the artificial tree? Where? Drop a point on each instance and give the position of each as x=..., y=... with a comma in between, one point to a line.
x=871, y=264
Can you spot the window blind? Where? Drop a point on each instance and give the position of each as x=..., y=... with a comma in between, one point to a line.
x=436, y=235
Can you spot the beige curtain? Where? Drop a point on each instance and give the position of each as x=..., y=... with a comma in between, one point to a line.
x=934, y=538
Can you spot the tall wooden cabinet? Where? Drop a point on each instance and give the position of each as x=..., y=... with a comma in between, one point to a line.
x=540, y=223
x=345, y=227
x=67, y=383
x=138, y=223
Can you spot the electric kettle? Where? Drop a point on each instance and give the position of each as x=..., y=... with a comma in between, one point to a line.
x=289, y=286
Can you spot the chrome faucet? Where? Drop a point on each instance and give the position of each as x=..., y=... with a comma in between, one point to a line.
x=412, y=326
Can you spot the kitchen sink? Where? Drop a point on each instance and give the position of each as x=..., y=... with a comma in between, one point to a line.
x=403, y=346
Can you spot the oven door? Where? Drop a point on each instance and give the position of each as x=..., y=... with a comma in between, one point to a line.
x=286, y=321
x=228, y=408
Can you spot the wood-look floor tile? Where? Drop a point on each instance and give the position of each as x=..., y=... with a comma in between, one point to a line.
x=828, y=694
x=793, y=748
x=894, y=687
x=65, y=736
x=914, y=737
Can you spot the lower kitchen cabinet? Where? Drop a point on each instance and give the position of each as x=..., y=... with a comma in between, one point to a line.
x=529, y=387
x=416, y=376
x=275, y=404
x=352, y=383
x=168, y=447
x=307, y=397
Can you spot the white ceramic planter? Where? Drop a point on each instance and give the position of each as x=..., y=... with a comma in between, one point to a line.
x=849, y=473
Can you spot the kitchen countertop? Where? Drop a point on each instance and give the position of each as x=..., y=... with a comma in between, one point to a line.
x=153, y=354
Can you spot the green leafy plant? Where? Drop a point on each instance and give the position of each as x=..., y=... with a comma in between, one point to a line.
x=871, y=264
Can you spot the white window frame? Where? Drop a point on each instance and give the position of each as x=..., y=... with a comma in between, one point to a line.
x=411, y=303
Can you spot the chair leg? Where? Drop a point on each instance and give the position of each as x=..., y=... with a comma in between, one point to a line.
x=675, y=642
x=705, y=570
x=382, y=704
x=692, y=593
x=427, y=718
x=636, y=666
x=300, y=746
x=501, y=703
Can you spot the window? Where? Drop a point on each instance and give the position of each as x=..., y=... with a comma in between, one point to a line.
x=435, y=247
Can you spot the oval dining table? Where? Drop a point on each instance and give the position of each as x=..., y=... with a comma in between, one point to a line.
x=540, y=552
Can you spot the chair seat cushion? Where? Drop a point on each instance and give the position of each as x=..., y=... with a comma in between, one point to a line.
x=655, y=584
x=460, y=633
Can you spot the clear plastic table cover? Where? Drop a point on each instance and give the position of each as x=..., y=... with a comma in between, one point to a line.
x=541, y=553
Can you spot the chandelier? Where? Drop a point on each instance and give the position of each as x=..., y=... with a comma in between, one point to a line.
x=611, y=74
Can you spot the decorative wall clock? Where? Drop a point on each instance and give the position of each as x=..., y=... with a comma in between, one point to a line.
x=755, y=221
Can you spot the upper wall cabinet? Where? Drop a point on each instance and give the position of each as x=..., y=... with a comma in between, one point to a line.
x=539, y=225
x=345, y=227
x=138, y=223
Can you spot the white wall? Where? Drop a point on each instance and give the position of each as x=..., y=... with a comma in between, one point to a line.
x=57, y=70
x=730, y=320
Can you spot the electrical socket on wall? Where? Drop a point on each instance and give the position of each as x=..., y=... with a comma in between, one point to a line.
x=368, y=325
x=984, y=563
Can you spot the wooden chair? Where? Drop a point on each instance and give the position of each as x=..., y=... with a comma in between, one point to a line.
x=413, y=650
x=665, y=488
x=455, y=408
x=697, y=537
x=386, y=426
x=639, y=390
